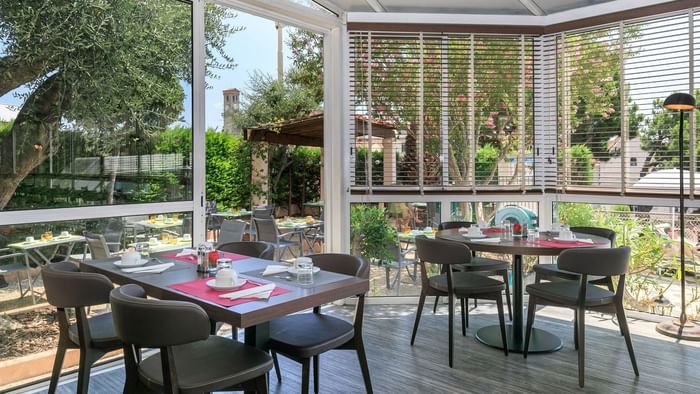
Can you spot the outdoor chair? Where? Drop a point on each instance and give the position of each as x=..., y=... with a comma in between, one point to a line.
x=68, y=288
x=17, y=265
x=259, y=212
x=399, y=261
x=461, y=285
x=97, y=245
x=304, y=337
x=113, y=234
x=581, y=295
x=479, y=264
x=189, y=359
x=267, y=231
x=259, y=249
x=213, y=222
x=231, y=231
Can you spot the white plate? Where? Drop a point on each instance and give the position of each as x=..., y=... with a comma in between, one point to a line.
x=467, y=235
x=565, y=240
x=212, y=284
x=119, y=264
x=293, y=270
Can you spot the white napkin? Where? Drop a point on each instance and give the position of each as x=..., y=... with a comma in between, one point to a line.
x=275, y=269
x=156, y=269
x=463, y=230
x=249, y=293
x=187, y=252
x=584, y=240
x=493, y=240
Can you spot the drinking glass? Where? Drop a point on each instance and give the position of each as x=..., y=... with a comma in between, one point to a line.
x=305, y=272
x=223, y=263
x=533, y=234
x=143, y=248
x=508, y=229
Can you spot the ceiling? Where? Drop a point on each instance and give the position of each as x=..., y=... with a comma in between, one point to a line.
x=489, y=7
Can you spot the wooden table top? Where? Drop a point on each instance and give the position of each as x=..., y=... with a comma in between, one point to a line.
x=519, y=246
x=327, y=287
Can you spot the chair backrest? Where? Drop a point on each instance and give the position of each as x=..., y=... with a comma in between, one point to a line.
x=67, y=287
x=231, y=231
x=113, y=231
x=186, y=225
x=98, y=246
x=263, y=212
x=598, y=231
x=266, y=230
x=341, y=264
x=146, y=322
x=455, y=224
x=595, y=261
x=210, y=206
x=394, y=248
x=259, y=249
x=438, y=251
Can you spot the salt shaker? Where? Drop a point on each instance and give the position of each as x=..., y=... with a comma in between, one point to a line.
x=202, y=258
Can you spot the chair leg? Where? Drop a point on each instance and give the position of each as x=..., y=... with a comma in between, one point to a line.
x=581, y=323
x=476, y=303
x=463, y=301
x=437, y=299
x=316, y=366
x=450, y=331
x=531, y=304
x=419, y=311
x=261, y=384
x=510, y=309
x=305, y=364
x=57, y=367
x=575, y=330
x=87, y=358
x=362, y=356
x=622, y=319
x=276, y=363
x=502, y=322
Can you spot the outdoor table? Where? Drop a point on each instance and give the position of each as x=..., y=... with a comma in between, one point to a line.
x=298, y=225
x=158, y=224
x=541, y=341
x=164, y=246
x=40, y=252
x=253, y=316
x=232, y=214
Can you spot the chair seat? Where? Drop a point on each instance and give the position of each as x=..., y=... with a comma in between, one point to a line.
x=566, y=293
x=484, y=264
x=101, y=331
x=467, y=283
x=284, y=243
x=553, y=271
x=308, y=334
x=210, y=365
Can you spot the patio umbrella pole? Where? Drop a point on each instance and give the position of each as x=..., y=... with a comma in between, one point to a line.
x=681, y=328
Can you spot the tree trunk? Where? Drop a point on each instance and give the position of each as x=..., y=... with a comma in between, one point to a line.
x=19, y=73
x=38, y=119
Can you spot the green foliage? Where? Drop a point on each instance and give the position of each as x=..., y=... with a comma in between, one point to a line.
x=307, y=62
x=486, y=161
x=176, y=139
x=371, y=233
x=228, y=169
x=575, y=214
x=621, y=208
x=361, y=166
x=581, y=162
x=295, y=175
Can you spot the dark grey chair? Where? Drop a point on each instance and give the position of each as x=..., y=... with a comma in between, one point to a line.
x=305, y=336
x=231, y=231
x=259, y=212
x=190, y=360
x=581, y=295
x=553, y=272
x=452, y=284
x=114, y=234
x=479, y=264
x=96, y=243
x=267, y=231
x=259, y=249
x=68, y=288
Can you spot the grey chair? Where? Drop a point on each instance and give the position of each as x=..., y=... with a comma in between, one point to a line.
x=259, y=212
x=259, y=249
x=479, y=264
x=113, y=234
x=553, y=272
x=68, y=288
x=13, y=262
x=267, y=231
x=399, y=262
x=303, y=337
x=581, y=295
x=97, y=245
x=189, y=359
x=231, y=231
x=461, y=285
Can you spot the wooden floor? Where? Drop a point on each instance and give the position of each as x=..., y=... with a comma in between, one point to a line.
x=396, y=367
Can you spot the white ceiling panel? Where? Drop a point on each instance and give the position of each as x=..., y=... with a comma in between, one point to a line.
x=499, y=7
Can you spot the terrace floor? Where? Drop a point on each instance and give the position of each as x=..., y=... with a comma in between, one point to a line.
x=396, y=367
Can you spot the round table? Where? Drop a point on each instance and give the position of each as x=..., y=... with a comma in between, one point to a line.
x=541, y=341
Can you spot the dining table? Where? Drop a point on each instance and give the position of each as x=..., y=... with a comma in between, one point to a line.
x=493, y=240
x=301, y=226
x=180, y=282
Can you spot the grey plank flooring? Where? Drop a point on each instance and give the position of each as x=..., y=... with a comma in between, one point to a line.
x=665, y=365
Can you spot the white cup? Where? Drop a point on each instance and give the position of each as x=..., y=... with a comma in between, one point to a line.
x=566, y=234
x=301, y=260
x=474, y=230
x=29, y=239
x=226, y=277
x=187, y=236
x=153, y=240
x=64, y=233
x=131, y=258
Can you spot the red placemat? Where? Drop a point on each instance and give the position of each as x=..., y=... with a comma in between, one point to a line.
x=493, y=230
x=564, y=244
x=193, y=259
x=199, y=289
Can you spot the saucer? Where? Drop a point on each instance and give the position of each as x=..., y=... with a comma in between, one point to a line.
x=141, y=262
x=212, y=283
x=565, y=239
x=293, y=270
x=467, y=235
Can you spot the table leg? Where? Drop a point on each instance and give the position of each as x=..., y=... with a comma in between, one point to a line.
x=540, y=341
x=259, y=337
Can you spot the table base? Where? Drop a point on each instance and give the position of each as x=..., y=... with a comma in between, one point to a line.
x=541, y=341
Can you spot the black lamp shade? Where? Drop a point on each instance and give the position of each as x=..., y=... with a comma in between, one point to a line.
x=680, y=102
